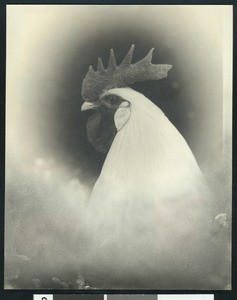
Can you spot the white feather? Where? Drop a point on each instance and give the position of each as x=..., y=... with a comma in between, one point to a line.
x=148, y=152
x=149, y=211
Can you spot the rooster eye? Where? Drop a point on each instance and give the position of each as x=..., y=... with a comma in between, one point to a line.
x=112, y=99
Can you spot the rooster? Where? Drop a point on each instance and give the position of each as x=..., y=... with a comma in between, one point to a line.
x=149, y=212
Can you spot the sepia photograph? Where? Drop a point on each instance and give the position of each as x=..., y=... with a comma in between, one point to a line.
x=118, y=147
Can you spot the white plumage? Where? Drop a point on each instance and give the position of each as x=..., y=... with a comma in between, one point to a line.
x=149, y=152
x=150, y=218
x=149, y=212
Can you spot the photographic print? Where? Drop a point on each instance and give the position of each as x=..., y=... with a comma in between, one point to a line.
x=118, y=147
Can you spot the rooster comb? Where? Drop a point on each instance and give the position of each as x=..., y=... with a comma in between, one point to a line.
x=115, y=76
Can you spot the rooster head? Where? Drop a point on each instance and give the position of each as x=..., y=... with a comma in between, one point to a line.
x=105, y=92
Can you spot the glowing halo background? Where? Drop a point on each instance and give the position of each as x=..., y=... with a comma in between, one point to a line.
x=49, y=50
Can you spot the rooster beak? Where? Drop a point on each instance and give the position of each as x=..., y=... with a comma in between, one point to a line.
x=88, y=105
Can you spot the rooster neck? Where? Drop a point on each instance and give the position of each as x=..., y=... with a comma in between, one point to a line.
x=148, y=151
